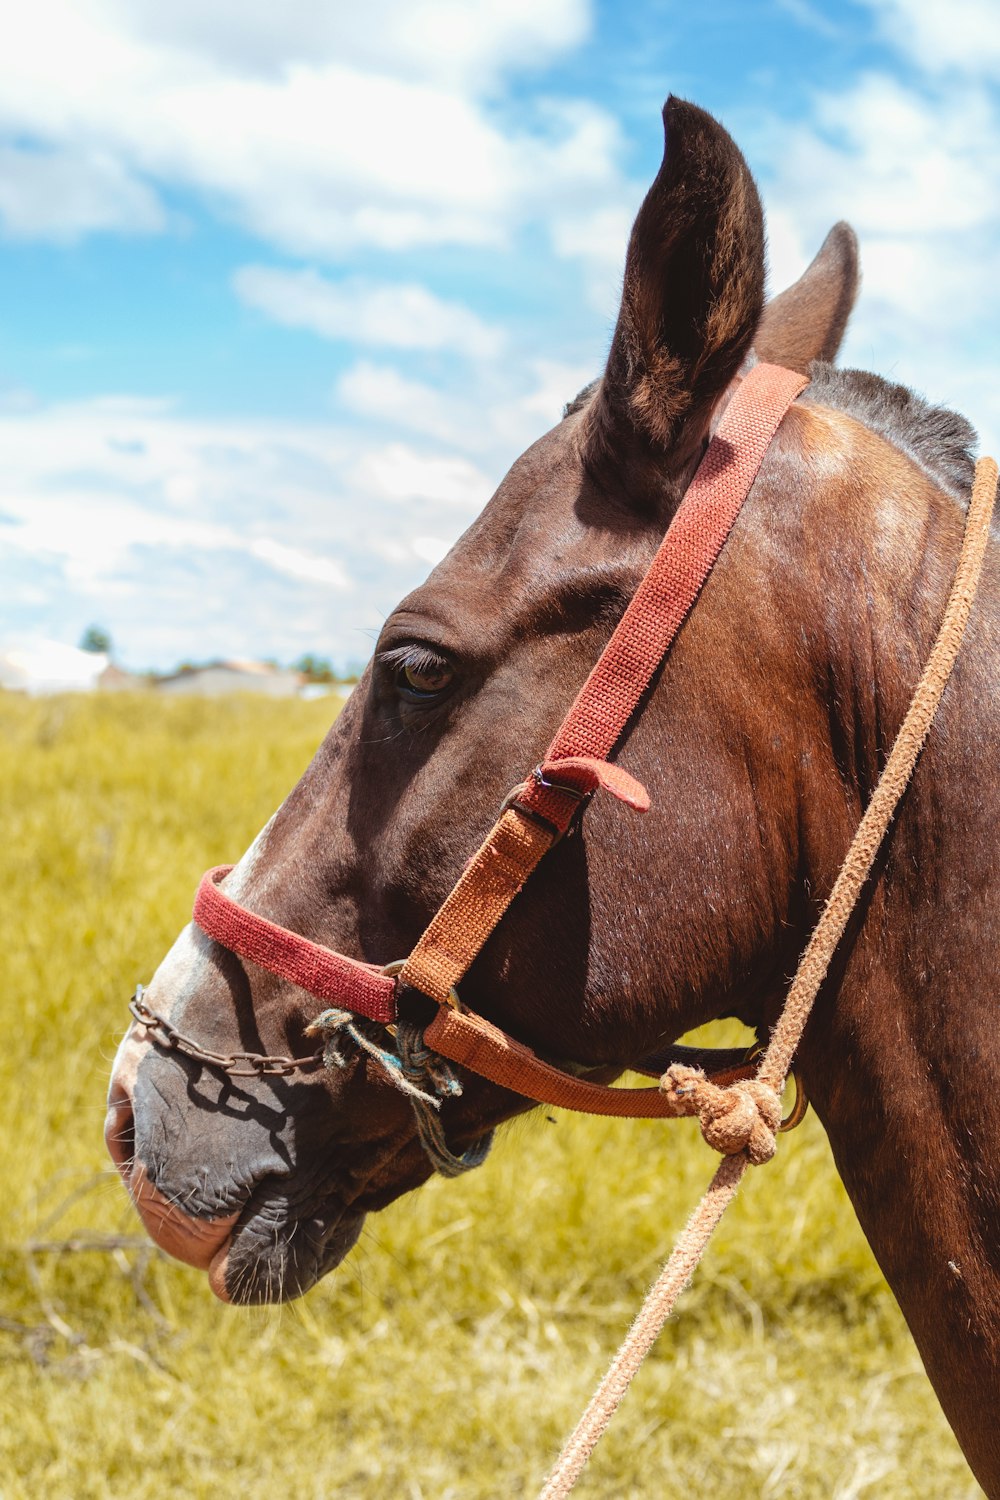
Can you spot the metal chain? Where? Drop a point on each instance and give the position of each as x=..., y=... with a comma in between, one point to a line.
x=236, y=1064
x=417, y=1066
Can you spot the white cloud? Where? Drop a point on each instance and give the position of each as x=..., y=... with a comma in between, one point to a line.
x=305, y=565
x=95, y=535
x=447, y=39
x=807, y=15
x=400, y=473
x=553, y=384
x=401, y=316
x=382, y=393
x=192, y=538
x=365, y=128
x=64, y=193
x=493, y=416
x=196, y=538
x=898, y=161
x=430, y=549
x=331, y=130
x=916, y=170
x=908, y=161
x=962, y=35
x=598, y=236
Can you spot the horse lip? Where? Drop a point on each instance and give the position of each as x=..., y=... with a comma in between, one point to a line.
x=217, y=1271
x=257, y=1275
x=194, y=1241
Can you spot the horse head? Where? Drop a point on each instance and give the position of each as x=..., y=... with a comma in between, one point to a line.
x=632, y=930
x=758, y=741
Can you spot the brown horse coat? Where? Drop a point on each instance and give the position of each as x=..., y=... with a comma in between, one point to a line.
x=759, y=741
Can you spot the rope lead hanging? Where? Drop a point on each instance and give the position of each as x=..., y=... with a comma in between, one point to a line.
x=420, y=1064
x=689, y=1093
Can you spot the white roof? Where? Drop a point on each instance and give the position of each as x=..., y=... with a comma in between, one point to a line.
x=40, y=666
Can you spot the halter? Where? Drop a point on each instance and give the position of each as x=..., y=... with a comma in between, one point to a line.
x=739, y=1115
x=534, y=816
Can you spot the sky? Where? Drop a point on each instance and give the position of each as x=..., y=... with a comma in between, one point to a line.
x=284, y=289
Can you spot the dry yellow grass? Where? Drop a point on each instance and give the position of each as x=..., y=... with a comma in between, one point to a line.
x=451, y=1353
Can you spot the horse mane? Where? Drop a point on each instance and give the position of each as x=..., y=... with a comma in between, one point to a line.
x=581, y=399
x=938, y=440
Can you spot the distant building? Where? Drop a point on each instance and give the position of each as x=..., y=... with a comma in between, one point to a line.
x=311, y=690
x=38, y=667
x=217, y=678
x=115, y=679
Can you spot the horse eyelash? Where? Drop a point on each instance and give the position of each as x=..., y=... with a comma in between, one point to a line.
x=421, y=658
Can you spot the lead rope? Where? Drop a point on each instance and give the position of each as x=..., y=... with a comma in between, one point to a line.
x=688, y=1087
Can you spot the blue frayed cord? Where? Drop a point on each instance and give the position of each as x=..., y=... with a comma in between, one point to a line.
x=422, y=1075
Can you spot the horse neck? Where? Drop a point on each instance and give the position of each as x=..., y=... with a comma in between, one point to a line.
x=902, y=1056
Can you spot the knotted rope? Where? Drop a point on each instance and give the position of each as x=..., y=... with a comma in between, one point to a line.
x=422, y=1075
x=744, y=1116
x=420, y=1064
x=753, y=1108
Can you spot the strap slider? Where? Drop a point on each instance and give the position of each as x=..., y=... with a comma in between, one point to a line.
x=394, y=971
x=580, y=776
x=579, y=794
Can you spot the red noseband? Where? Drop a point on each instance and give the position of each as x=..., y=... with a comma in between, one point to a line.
x=319, y=971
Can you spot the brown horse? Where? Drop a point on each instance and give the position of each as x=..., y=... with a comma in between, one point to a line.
x=760, y=741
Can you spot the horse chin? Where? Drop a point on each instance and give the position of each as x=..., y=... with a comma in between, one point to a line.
x=268, y=1258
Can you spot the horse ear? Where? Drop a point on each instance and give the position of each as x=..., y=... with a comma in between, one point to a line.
x=807, y=321
x=692, y=296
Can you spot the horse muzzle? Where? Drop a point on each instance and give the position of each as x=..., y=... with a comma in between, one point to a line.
x=195, y=1241
x=260, y=1232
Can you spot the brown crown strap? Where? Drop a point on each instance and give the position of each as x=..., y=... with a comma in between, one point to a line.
x=576, y=762
x=483, y=893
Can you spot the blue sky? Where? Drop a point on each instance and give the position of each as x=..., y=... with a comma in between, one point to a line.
x=284, y=289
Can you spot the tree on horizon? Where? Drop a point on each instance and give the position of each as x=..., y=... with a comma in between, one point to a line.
x=95, y=638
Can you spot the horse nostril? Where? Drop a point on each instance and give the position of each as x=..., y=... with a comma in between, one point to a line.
x=119, y=1129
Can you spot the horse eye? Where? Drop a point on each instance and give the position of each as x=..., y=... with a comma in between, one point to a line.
x=423, y=675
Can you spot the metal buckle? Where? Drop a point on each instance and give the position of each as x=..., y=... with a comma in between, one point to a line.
x=396, y=967
x=512, y=800
x=800, y=1104
x=559, y=786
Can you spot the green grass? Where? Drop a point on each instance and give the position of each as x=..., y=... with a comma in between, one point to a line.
x=453, y=1351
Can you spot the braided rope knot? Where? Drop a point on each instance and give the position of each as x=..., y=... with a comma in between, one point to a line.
x=411, y=1067
x=742, y=1116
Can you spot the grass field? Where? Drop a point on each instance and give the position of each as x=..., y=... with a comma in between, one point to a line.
x=453, y=1350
